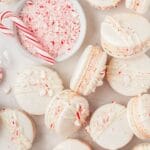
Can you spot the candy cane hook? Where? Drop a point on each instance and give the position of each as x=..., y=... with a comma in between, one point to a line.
x=40, y=50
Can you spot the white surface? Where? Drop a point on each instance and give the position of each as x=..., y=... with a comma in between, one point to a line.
x=44, y=139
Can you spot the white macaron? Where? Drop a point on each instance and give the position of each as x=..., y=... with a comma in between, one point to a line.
x=72, y=144
x=104, y=4
x=143, y=146
x=34, y=88
x=138, y=113
x=122, y=37
x=109, y=128
x=129, y=77
x=67, y=113
x=90, y=71
x=139, y=6
x=17, y=130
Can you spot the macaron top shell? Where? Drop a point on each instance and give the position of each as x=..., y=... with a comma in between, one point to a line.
x=66, y=113
x=109, y=128
x=104, y=4
x=72, y=144
x=129, y=77
x=17, y=130
x=34, y=88
x=90, y=71
x=143, y=146
x=123, y=31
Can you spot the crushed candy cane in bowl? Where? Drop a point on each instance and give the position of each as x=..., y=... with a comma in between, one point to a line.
x=52, y=30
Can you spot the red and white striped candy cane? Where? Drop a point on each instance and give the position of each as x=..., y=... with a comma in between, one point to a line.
x=40, y=50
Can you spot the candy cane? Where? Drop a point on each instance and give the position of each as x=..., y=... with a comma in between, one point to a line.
x=40, y=50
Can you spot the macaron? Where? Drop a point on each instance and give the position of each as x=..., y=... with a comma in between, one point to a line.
x=17, y=130
x=109, y=128
x=122, y=37
x=143, y=146
x=67, y=113
x=90, y=71
x=72, y=144
x=138, y=113
x=104, y=4
x=34, y=88
x=129, y=77
x=139, y=6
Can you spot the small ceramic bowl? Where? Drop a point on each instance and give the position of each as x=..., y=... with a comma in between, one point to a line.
x=79, y=41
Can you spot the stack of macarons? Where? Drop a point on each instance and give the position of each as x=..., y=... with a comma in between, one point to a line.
x=39, y=90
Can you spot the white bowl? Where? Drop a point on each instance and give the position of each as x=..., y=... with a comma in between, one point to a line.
x=79, y=41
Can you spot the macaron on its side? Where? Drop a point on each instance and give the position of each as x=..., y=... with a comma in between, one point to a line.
x=72, y=144
x=35, y=87
x=122, y=38
x=109, y=128
x=67, y=113
x=104, y=4
x=143, y=146
x=90, y=71
x=139, y=6
x=129, y=77
x=138, y=116
x=17, y=130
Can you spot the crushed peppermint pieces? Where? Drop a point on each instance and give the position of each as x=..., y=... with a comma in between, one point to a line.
x=55, y=23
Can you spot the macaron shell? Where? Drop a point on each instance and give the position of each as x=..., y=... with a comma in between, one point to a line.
x=129, y=77
x=139, y=6
x=35, y=87
x=143, y=146
x=56, y=108
x=131, y=121
x=87, y=75
x=138, y=116
x=16, y=137
x=72, y=144
x=81, y=65
x=104, y=4
x=124, y=35
x=66, y=124
x=61, y=115
x=53, y=111
x=108, y=125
